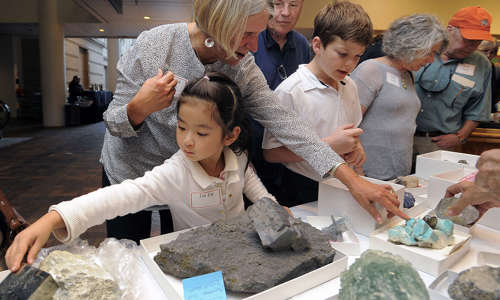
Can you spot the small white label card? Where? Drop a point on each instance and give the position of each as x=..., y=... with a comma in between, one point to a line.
x=466, y=69
x=463, y=81
x=205, y=287
x=206, y=199
x=393, y=79
x=181, y=84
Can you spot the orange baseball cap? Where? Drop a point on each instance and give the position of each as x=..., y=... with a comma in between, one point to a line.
x=474, y=23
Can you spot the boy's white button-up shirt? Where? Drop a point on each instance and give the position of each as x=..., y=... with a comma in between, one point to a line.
x=322, y=106
x=194, y=197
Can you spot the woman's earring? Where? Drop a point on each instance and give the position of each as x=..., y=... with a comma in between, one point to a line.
x=209, y=43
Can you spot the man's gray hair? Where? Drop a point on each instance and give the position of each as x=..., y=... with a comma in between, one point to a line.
x=412, y=37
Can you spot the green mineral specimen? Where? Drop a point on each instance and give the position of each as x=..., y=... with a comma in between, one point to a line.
x=381, y=275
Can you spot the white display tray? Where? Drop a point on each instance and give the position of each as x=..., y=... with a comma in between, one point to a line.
x=172, y=286
x=349, y=244
x=438, y=183
x=431, y=261
x=441, y=161
x=335, y=199
x=472, y=258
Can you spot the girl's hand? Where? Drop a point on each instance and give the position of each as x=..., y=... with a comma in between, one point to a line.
x=33, y=239
x=344, y=139
x=155, y=94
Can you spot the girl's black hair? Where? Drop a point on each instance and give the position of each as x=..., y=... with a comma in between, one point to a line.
x=224, y=93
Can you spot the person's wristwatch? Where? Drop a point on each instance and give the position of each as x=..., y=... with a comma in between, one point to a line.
x=461, y=139
x=331, y=173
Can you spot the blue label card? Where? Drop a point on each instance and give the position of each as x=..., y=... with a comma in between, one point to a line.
x=205, y=287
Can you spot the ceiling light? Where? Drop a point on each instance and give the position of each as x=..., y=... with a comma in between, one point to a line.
x=147, y=17
x=101, y=30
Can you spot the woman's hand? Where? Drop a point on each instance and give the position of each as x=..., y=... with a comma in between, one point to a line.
x=33, y=239
x=367, y=194
x=155, y=94
x=344, y=139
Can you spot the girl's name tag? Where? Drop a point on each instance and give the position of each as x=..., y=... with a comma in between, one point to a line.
x=206, y=199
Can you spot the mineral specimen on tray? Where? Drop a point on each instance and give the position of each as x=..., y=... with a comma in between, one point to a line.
x=429, y=232
x=381, y=275
x=408, y=181
x=409, y=200
x=78, y=277
x=467, y=217
x=476, y=283
x=276, y=228
x=235, y=248
x=336, y=229
x=29, y=283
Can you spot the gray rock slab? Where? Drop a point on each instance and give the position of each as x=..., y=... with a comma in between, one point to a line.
x=276, y=228
x=79, y=277
x=381, y=275
x=467, y=217
x=234, y=247
x=28, y=283
x=481, y=283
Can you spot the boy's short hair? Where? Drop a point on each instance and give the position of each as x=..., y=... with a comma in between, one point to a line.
x=344, y=20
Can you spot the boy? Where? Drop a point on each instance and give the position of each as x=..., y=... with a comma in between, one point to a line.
x=321, y=93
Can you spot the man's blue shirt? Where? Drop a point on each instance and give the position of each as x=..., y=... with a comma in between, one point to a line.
x=270, y=57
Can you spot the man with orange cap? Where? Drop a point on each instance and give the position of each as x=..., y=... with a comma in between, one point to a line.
x=455, y=90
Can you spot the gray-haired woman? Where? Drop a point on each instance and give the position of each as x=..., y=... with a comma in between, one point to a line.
x=141, y=120
x=387, y=93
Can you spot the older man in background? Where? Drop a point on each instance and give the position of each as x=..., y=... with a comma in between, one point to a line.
x=455, y=89
x=281, y=51
x=490, y=49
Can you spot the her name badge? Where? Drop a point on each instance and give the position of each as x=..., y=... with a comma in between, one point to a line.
x=206, y=199
x=393, y=79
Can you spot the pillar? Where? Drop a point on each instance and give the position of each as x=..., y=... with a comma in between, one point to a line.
x=51, y=64
x=113, y=55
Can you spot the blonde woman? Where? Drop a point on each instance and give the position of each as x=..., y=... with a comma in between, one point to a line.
x=141, y=122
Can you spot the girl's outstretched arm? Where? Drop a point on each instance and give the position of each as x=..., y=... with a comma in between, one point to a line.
x=32, y=239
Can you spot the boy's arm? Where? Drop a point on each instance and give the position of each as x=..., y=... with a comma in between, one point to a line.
x=33, y=239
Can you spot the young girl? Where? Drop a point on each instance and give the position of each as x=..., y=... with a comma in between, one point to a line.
x=203, y=182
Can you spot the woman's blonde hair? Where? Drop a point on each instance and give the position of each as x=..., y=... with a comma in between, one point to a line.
x=224, y=20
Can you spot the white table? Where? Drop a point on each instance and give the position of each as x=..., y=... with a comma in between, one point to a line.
x=483, y=240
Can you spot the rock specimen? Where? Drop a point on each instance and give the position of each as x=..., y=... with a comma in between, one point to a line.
x=29, y=283
x=235, y=248
x=476, y=283
x=408, y=181
x=381, y=275
x=335, y=230
x=467, y=217
x=78, y=277
x=409, y=200
x=276, y=228
x=430, y=232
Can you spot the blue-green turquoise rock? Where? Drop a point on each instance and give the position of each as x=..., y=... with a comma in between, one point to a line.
x=418, y=232
x=445, y=226
x=381, y=275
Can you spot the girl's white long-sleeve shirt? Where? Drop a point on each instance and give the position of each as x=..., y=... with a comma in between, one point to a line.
x=194, y=197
